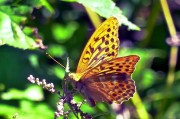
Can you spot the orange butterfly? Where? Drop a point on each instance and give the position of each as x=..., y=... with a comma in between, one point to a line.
x=101, y=75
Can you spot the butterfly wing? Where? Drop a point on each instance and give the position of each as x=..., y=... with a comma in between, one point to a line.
x=120, y=65
x=102, y=46
x=110, y=81
x=109, y=88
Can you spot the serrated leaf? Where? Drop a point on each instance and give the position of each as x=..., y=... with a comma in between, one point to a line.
x=107, y=8
x=11, y=32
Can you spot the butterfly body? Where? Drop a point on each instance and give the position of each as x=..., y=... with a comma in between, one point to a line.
x=101, y=75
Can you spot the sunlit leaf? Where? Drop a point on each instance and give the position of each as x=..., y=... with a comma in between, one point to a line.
x=56, y=50
x=47, y=5
x=12, y=34
x=34, y=60
x=58, y=71
x=32, y=93
x=107, y=8
x=62, y=33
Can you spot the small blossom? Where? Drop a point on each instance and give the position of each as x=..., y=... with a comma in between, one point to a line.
x=174, y=40
x=52, y=90
x=60, y=107
x=73, y=101
x=79, y=104
x=66, y=98
x=47, y=86
x=43, y=82
x=31, y=79
x=57, y=115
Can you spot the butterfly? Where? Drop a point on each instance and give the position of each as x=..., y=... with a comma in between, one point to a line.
x=101, y=76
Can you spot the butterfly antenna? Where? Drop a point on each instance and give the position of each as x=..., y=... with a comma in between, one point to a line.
x=67, y=65
x=55, y=60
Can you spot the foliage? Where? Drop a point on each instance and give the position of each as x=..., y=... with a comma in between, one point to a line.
x=106, y=9
x=64, y=27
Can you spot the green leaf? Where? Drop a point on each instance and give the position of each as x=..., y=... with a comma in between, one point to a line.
x=63, y=33
x=16, y=14
x=33, y=59
x=107, y=8
x=57, y=71
x=36, y=91
x=26, y=110
x=11, y=33
x=56, y=50
x=47, y=5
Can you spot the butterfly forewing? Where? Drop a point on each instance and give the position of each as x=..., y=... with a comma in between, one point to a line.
x=102, y=46
x=120, y=65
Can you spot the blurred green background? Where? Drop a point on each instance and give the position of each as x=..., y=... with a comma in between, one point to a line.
x=65, y=27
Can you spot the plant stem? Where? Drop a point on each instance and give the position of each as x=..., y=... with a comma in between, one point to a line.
x=94, y=18
x=140, y=108
x=174, y=49
x=172, y=58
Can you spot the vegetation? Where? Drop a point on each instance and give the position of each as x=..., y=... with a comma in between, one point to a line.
x=29, y=29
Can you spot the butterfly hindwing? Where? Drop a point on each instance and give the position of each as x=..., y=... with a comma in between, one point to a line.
x=110, y=81
x=109, y=88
